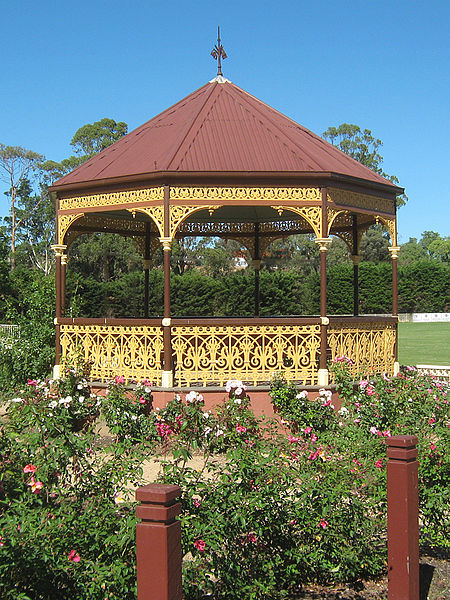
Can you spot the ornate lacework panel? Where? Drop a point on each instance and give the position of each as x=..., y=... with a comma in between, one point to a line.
x=131, y=351
x=253, y=353
x=370, y=346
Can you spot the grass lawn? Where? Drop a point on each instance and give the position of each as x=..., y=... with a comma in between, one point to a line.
x=424, y=343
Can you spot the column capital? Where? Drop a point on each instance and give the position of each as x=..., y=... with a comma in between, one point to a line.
x=323, y=243
x=166, y=243
x=394, y=251
x=58, y=249
x=64, y=258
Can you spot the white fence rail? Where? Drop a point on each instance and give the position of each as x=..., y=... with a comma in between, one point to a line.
x=9, y=333
x=440, y=371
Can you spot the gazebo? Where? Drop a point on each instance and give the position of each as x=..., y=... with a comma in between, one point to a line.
x=222, y=163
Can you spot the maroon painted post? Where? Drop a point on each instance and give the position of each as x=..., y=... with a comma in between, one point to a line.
x=158, y=543
x=403, y=518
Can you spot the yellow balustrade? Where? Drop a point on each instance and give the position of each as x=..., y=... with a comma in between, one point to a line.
x=132, y=351
x=370, y=345
x=213, y=353
x=252, y=353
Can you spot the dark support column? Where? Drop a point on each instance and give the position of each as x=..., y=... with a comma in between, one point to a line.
x=63, y=284
x=146, y=269
x=58, y=286
x=403, y=518
x=158, y=543
x=58, y=249
x=323, y=370
x=355, y=259
x=257, y=265
x=394, y=250
x=167, y=374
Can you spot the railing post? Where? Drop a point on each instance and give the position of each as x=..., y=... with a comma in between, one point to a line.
x=403, y=518
x=158, y=543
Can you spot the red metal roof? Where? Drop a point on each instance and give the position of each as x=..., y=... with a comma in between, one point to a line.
x=218, y=128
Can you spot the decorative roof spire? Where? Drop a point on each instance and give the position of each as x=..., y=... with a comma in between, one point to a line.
x=218, y=53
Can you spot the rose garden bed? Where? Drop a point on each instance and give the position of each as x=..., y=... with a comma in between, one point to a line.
x=267, y=512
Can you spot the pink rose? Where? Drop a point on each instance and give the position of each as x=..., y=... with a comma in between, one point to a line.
x=29, y=469
x=200, y=545
x=73, y=556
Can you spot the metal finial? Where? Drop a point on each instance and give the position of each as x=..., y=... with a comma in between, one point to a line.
x=218, y=53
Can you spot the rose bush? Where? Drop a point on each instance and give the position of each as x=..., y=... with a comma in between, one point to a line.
x=264, y=513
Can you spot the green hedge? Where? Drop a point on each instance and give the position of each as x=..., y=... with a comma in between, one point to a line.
x=423, y=287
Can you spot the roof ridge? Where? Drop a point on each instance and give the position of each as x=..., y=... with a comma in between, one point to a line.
x=197, y=118
x=200, y=127
x=294, y=146
x=246, y=109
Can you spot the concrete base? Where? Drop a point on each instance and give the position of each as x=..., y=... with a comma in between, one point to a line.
x=167, y=379
x=57, y=372
x=323, y=377
x=396, y=368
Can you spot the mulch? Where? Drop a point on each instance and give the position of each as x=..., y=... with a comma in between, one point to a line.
x=434, y=584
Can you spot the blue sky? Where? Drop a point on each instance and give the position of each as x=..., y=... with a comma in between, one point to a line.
x=381, y=65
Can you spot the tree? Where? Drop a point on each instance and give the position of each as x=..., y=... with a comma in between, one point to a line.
x=18, y=165
x=95, y=137
x=411, y=252
x=374, y=245
x=87, y=141
x=36, y=229
x=363, y=147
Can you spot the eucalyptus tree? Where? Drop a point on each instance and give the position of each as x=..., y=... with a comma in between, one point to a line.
x=18, y=165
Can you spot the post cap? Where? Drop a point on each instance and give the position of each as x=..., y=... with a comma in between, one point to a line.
x=158, y=493
x=402, y=441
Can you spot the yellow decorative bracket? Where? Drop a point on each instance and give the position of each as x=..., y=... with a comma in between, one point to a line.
x=391, y=225
x=311, y=214
x=178, y=214
x=156, y=214
x=64, y=222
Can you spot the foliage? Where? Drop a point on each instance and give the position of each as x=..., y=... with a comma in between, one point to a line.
x=127, y=416
x=95, y=137
x=32, y=355
x=410, y=403
x=65, y=521
x=424, y=287
x=299, y=412
x=272, y=512
x=363, y=147
x=17, y=165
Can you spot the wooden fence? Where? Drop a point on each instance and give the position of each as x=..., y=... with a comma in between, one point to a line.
x=158, y=535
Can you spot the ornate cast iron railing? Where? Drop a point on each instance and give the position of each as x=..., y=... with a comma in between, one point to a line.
x=212, y=351
x=133, y=350
x=368, y=341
